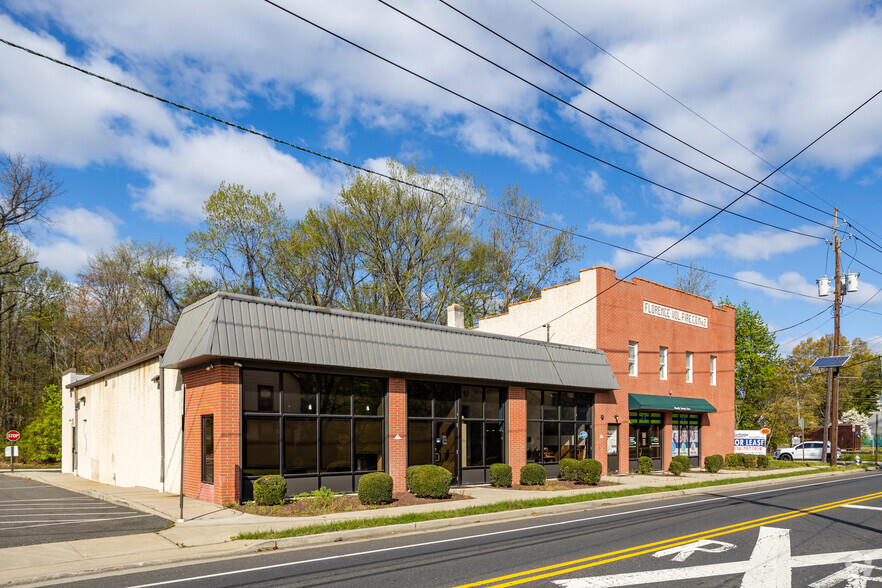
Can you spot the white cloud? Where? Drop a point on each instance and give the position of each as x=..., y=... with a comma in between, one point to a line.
x=595, y=182
x=793, y=283
x=74, y=234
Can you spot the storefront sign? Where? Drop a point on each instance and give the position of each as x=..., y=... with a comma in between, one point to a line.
x=672, y=314
x=750, y=442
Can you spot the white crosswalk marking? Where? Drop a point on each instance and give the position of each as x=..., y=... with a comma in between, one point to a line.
x=771, y=560
x=704, y=545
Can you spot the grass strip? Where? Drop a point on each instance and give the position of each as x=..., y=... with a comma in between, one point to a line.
x=508, y=505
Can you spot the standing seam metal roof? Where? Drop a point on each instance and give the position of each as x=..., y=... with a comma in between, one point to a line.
x=235, y=326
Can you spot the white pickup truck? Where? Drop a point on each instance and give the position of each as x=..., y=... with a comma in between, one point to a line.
x=810, y=450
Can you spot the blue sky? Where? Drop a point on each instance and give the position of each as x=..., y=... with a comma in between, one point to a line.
x=771, y=76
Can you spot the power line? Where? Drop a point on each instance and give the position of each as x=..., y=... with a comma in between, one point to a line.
x=748, y=149
x=588, y=114
x=801, y=322
x=716, y=214
x=633, y=114
x=528, y=127
x=332, y=159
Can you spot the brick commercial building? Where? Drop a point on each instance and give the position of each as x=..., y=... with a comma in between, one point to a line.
x=323, y=397
x=673, y=356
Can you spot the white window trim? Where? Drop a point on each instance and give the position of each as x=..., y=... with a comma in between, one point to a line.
x=663, y=363
x=689, y=364
x=713, y=370
x=633, y=344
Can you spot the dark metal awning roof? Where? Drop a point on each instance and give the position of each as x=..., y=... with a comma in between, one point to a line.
x=671, y=403
x=235, y=326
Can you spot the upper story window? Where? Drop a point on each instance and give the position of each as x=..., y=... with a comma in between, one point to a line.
x=632, y=358
x=663, y=363
x=688, y=366
x=713, y=370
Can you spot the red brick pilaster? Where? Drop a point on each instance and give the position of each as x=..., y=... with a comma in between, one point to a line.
x=516, y=423
x=216, y=392
x=397, y=432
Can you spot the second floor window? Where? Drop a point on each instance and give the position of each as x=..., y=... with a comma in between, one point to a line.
x=632, y=358
x=663, y=363
x=713, y=370
x=688, y=366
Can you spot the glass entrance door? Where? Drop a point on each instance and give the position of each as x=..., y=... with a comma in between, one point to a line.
x=446, y=447
x=644, y=439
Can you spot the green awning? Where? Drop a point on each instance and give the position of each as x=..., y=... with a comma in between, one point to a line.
x=672, y=403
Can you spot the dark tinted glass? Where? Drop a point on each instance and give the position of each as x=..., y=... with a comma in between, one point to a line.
x=261, y=391
x=493, y=402
x=419, y=442
x=445, y=401
x=472, y=402
x=473, y=443
x=299, y=392
x=568, y=440
x=368, y=445
x=301, y=446
x=583, y=406
x=534, y=404
x=550, y=447
x=336, y=445
x=567, y=406
x=493, y=446
x=419, y=400
x=261, y=446
x=335, y=395
x=208, y=449
x=368, y=396
x=551, y=405
x=534, y=441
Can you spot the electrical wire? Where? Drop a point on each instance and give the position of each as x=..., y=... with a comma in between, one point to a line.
x=801, y=322
x=350, y=165
x=529, y=128
x=724, y=133
x=591, y=116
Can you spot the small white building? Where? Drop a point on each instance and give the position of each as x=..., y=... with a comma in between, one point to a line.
x=122, y=426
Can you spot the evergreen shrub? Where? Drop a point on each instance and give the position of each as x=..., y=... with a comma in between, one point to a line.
x=431, y=481
x=588, y=471
x=644, y=465
x=375, y=488
x=533, y=474
x=713, y=463
x=500, y=475
x=734, y=460
x=568, y=468
x=749, y=461
x=684, y=462
x=270, y=490
x=762, y=462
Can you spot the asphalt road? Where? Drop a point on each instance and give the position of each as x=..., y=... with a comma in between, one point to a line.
x=32, y=513
x=802, y=533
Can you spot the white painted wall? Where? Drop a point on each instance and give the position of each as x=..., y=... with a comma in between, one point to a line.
x=578, y=327
x=118, y=424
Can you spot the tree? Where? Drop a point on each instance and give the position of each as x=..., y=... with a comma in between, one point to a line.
x=756, y=364
x=242, y=230
x=693, y=279
x=41, y=439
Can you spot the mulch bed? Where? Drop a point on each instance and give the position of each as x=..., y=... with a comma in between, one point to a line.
x=561, y=485
x=307, y=507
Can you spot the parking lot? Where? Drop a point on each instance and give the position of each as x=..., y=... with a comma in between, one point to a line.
x=32, y=513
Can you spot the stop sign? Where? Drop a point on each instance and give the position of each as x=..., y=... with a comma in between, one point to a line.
x=13, y=436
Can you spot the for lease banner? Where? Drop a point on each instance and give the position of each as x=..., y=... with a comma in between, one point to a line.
x=752, y=442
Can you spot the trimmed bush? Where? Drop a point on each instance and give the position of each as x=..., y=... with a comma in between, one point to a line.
x=684, y=462
x=500, y=475
x=734, y=460
x=408, y=476
x=749, y=461
x=588, y=471
x=270, y=490
x=762, y=462
x=431, y=481
x=568, y=469
x=644, y=465
x=713, y=463
x=533, y=474
x=675, y=467
x=375, y=488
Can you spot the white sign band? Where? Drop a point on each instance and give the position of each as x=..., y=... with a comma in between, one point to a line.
x=672, y=314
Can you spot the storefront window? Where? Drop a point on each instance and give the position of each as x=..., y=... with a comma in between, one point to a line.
x=208, y=449
x=261, y=446
x=644, y=432
x=684, y=434
x=558, y=425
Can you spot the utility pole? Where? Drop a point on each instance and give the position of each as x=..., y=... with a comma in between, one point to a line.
x=837, y=303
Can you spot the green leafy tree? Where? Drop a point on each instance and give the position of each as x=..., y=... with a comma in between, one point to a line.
x=756, y=365
x=41, y=439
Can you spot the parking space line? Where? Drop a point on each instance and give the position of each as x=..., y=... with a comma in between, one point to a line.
x=28, y=500
x=55, y=523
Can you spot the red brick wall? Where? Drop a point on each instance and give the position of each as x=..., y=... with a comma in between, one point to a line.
x=620, y=319
x=216, y=392
x=397, y=426
x=516, y=436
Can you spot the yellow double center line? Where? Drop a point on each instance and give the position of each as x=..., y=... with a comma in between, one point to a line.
x=604, y=558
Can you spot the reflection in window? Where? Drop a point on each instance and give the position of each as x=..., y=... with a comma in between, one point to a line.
x=368, y=445
x=336, y=445
x=335, y=395
x=368, y=396
x=301, y=446
x=261, y=391
x=299, y=391
x=261, y=446
x=560, y=418
x=419, y=442
x=208, y=448
x=472, y=402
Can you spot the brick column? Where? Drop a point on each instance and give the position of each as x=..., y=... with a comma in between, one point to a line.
x=516, y=435
x=214, y=392
x=397, y=432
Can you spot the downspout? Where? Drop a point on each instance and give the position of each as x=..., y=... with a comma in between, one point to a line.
x=183, y=416
x=161, y=424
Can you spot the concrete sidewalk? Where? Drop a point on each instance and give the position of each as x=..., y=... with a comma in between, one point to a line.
x=206, y=529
